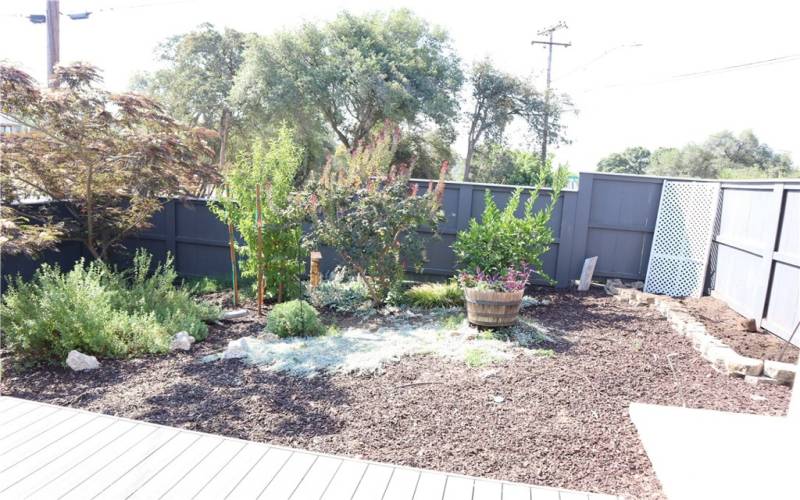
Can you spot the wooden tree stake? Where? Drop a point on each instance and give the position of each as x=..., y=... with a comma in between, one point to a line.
x=260, y=250
x=316, y=258
x=233, y=265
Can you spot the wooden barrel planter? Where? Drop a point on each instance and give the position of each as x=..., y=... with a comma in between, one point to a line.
x=493, y=309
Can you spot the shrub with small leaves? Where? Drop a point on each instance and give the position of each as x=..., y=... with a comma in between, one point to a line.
x=296, y=318
x=99, y=311
x=504, y=240
x=341, y=293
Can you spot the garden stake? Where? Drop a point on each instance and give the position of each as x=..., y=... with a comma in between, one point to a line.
x=260, y=250
x=233, y=266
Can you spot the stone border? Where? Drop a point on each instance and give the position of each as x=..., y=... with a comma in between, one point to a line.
x=721, y=356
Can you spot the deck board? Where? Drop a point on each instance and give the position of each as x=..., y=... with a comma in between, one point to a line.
x=49, y=452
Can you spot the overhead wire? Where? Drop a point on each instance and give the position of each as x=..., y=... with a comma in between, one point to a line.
x=703, y=73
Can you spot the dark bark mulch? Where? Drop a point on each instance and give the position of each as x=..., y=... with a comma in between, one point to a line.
x=563, y=421
x=725, y=324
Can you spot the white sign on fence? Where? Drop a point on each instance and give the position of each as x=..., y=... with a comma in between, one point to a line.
x=682, y=239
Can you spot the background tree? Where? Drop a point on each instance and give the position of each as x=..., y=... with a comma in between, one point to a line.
x=106, y=158
x=498, y=164
x=196, y=83
x=690, y=161
x=635, y=160
x=745, y=156
x=722, y=155
x=353, y=73
x=427, y=150
x=499, y=98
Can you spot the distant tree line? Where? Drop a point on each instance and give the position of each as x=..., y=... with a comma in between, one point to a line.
x=721, y=156
x=332, y=83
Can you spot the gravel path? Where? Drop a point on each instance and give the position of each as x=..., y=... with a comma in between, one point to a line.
x=562, y=420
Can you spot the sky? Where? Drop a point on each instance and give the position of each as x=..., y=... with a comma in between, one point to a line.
x=622, y=70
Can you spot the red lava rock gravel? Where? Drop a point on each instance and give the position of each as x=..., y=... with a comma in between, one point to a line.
x=563, y=420
x=725, y=324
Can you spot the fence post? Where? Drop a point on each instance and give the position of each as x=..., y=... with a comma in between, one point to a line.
x=170, y=229
x=566, y=238
x=582, y=211
x=464, y=206
x=770, y=243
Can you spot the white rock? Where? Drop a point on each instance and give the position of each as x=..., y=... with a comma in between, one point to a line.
x=181, y=341
x=719, y=354
x=756, y=397
x=236, y=349
x=752, y=380
x=467, y=330
x=486, y=374
x=236, y=313
x=499, y=399
x=743, y=365
x=782, y=372
x=79, y=361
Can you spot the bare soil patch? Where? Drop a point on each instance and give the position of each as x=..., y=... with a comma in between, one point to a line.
x=563, y=420
x=724, y=323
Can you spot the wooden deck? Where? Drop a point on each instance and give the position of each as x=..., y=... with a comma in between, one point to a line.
x=50, y=451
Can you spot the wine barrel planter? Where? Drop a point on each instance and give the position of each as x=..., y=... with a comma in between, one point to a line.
x=490, y=308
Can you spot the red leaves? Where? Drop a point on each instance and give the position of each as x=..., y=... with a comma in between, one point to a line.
x=115, y=153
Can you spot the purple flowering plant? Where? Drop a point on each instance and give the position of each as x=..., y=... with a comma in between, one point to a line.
x=511, y=280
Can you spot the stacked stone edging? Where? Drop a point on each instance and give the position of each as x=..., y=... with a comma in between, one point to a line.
x=721, y=356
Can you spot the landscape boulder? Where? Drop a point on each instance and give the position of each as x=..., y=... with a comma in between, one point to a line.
x=181, y=341
x=743, y=365
x=782, y=372
x=79, y=361
x=236, y=313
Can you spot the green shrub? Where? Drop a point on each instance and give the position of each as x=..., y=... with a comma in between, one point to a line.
x=99, y=311
x=341, y=293
x=296, y=318
x=502, y=240
x=430, y=295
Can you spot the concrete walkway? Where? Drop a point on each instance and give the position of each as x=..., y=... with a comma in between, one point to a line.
x=704, y=454
x=50, y=451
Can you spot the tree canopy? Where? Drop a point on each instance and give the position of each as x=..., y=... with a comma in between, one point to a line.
x=195, y=85
x=722, y=155
x=497, y=99
x=498, y=164
x=107, y=158
x=633, y=160
x=353, y=73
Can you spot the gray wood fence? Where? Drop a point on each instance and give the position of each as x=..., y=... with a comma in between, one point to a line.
x=755, y=263
x=754, y=266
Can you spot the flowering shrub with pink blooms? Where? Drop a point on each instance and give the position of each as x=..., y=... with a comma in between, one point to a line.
x=363, y=207
x=510, y=280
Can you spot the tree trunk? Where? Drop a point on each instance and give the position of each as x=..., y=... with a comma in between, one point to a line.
x=90, y=214
x=224, y=126
x=468, y=161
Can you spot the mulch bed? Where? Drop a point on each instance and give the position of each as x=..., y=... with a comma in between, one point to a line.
x=724, y=323
x=563, y=421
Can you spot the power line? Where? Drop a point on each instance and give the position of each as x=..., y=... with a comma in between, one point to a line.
x=703, y=73
x=597, y=58
x=113, y=8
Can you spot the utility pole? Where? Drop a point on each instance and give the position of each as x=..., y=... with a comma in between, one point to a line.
x=53, y=42
x=549, y=42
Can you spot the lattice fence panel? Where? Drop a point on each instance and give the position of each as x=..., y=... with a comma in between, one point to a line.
x=682, y=239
